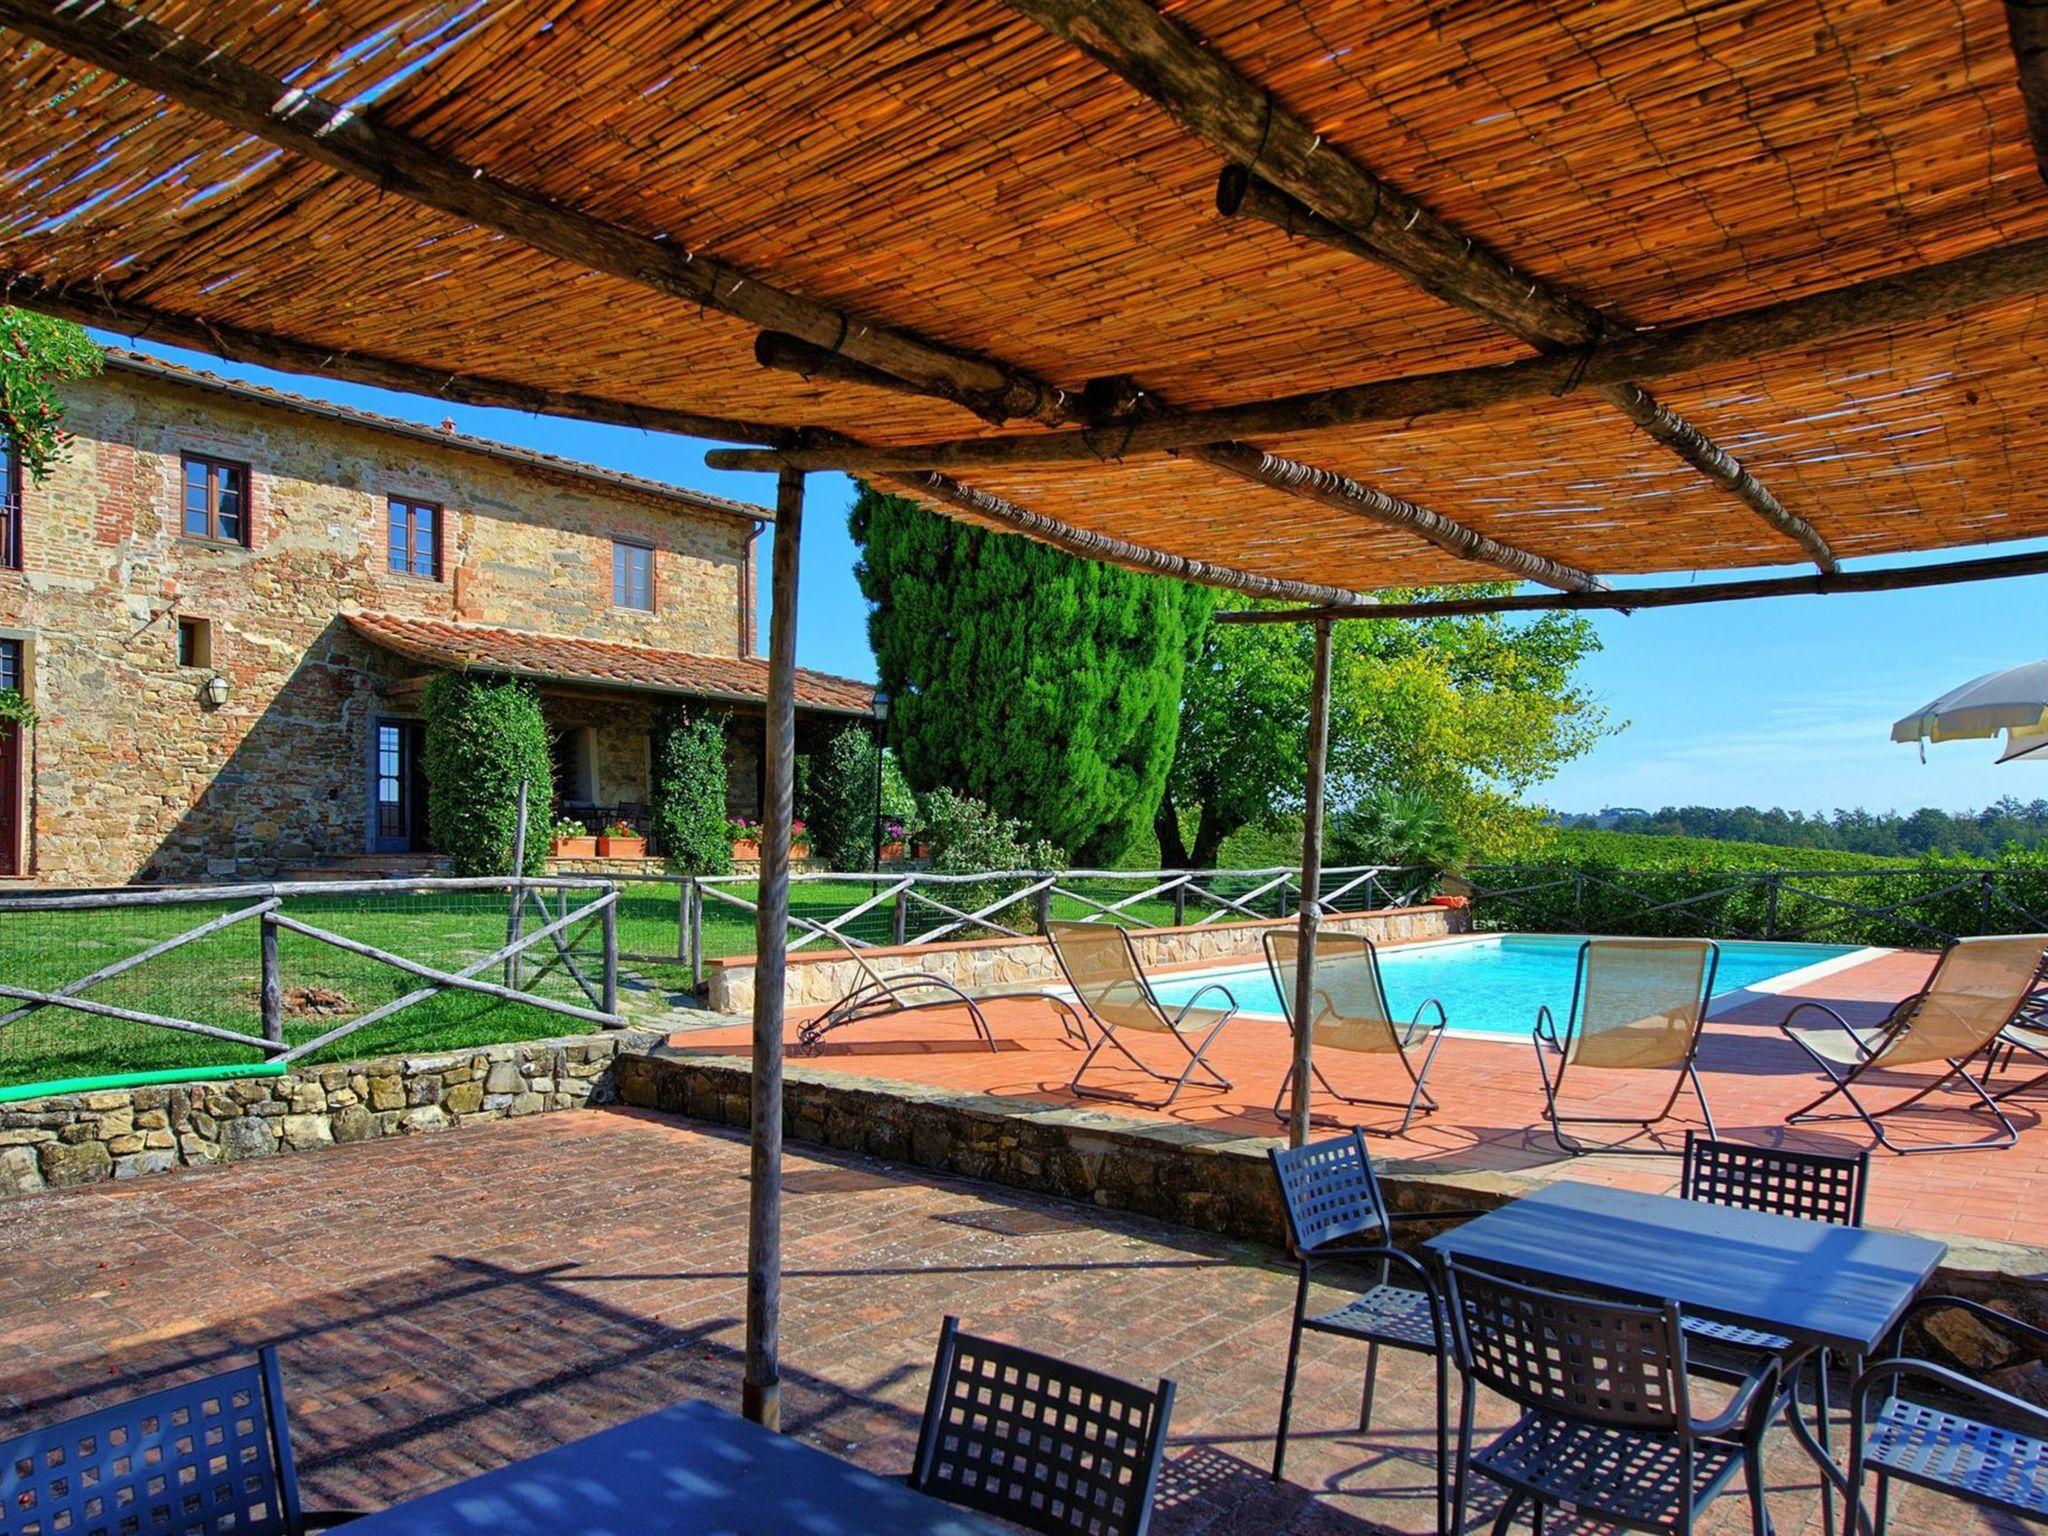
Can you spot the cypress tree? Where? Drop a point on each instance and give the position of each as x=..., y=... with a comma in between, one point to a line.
x=1046, y=685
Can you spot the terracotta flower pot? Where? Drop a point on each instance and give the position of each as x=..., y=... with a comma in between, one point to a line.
x=574, y=847
x=746, y=852
x=891, y=852
x=622, y=847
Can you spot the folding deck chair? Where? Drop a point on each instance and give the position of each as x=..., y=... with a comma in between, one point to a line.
x=1101, y=965
x=1978, y=988
x=1638, y=1005
x=879, y=996
x=1349, y=1012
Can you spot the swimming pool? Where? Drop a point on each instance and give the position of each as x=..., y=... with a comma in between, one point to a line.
x=1494, y=984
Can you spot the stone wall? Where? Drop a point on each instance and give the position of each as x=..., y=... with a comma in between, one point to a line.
x=983, y=965
x=132, y=775
x=82, y=1138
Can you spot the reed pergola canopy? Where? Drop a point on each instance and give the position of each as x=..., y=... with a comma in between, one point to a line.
x=1554, y=293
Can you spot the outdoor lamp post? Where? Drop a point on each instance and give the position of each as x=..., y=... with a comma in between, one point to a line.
x=881, y=737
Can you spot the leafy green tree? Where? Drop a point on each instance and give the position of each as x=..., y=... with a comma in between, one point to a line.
x=37, y=353
x=1469, y=712
x=842, y=818
x=1045, y=685
x=689, y=791
x=484, y=736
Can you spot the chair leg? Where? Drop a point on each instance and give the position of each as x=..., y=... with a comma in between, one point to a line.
x=1195, y=1054
x=1372, y=1376
x=1461, y=1467
x=1884, y=1503
x=1753, y=1475
x=1821, y=1428
x=1509, y=1510
x=1287, y=1382
x=1692, y=1071
x=1443, y=1443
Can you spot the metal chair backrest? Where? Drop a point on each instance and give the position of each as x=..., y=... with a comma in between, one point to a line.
x=1330, y=1192
x=209, y=1456
x=1978, y=987
x=1347, y=999
x=1101, y=965
x=1604, y=1362
x=1029, y=1438
x=1640, y=1003
x=1819, y=1186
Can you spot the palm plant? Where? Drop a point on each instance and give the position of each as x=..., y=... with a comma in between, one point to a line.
x=1403, y=827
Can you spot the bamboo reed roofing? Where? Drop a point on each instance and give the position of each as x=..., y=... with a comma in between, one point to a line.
x=960, y=172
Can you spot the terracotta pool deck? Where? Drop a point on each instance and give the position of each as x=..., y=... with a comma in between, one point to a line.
x=446, y=1304
x=1491, y=1102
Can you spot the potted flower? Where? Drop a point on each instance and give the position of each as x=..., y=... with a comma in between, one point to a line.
x=799, y=841
x=619, y=841
x=892, y=841
x=570, y=839
x=746, y=840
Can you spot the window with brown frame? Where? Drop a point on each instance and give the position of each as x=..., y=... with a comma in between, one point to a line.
x=414, y=545
x=10, y=504
x=216, y=500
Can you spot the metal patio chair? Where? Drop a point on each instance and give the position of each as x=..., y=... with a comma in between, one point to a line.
x=1348, y=999
x=1606, y=1428
x=1101, y=965
x=879, y=996
x=1919, y=1422
x=1030, y=1438
x=209, y=1456
x=1814, y=1186
x=1977, y=989
x=1638, y=1005
x=1337, y=1215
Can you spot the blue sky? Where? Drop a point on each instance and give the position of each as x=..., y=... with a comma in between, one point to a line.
x=1784, y=702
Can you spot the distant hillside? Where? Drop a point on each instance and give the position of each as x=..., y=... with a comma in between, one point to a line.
x=1980, y=834
x=1643, y=850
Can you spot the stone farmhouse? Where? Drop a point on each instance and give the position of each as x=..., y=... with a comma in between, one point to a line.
x=224, y=604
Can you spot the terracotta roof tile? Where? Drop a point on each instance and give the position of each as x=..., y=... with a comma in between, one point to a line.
x=570, y=659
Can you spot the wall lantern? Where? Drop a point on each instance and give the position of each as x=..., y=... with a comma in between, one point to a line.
x=216, y=690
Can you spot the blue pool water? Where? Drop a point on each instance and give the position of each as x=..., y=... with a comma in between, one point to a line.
x=1494, y=985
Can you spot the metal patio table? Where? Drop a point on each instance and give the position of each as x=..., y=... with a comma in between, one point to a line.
x=689, y=1470
x=1843, y=1288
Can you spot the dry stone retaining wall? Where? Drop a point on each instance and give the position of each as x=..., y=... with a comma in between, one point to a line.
x=117, y=1133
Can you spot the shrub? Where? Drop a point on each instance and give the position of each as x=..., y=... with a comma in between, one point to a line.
x=484, y=737
x=1397, y=826
x=841, y=816
x=968, y=838
x=689, y=792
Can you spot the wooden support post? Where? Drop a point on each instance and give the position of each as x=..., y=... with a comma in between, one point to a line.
x=683, y=919
x=899, y=923
x=1311, y=890
x=696, y=935
x=1041, y=908
x=761, y=1392
x=273, y=982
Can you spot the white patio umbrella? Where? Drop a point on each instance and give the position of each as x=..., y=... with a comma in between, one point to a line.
x=2014, y=701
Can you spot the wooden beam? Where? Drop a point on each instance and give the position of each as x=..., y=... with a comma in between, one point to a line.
x=1348, y=495
x=1238, y=192
x=2027, y=23
x=1114, y=551
x=761, y=1388
x=1892, y=579
x=1940, y=290
x=1168, y=63
x=109, y=312
x=213, y=81
x=1288, y=476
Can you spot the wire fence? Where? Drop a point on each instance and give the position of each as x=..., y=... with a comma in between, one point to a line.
x=687, y=921
x=1915, y=907
x=96, y=985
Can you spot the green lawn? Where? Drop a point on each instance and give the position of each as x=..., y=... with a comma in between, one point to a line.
x=216, y=980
